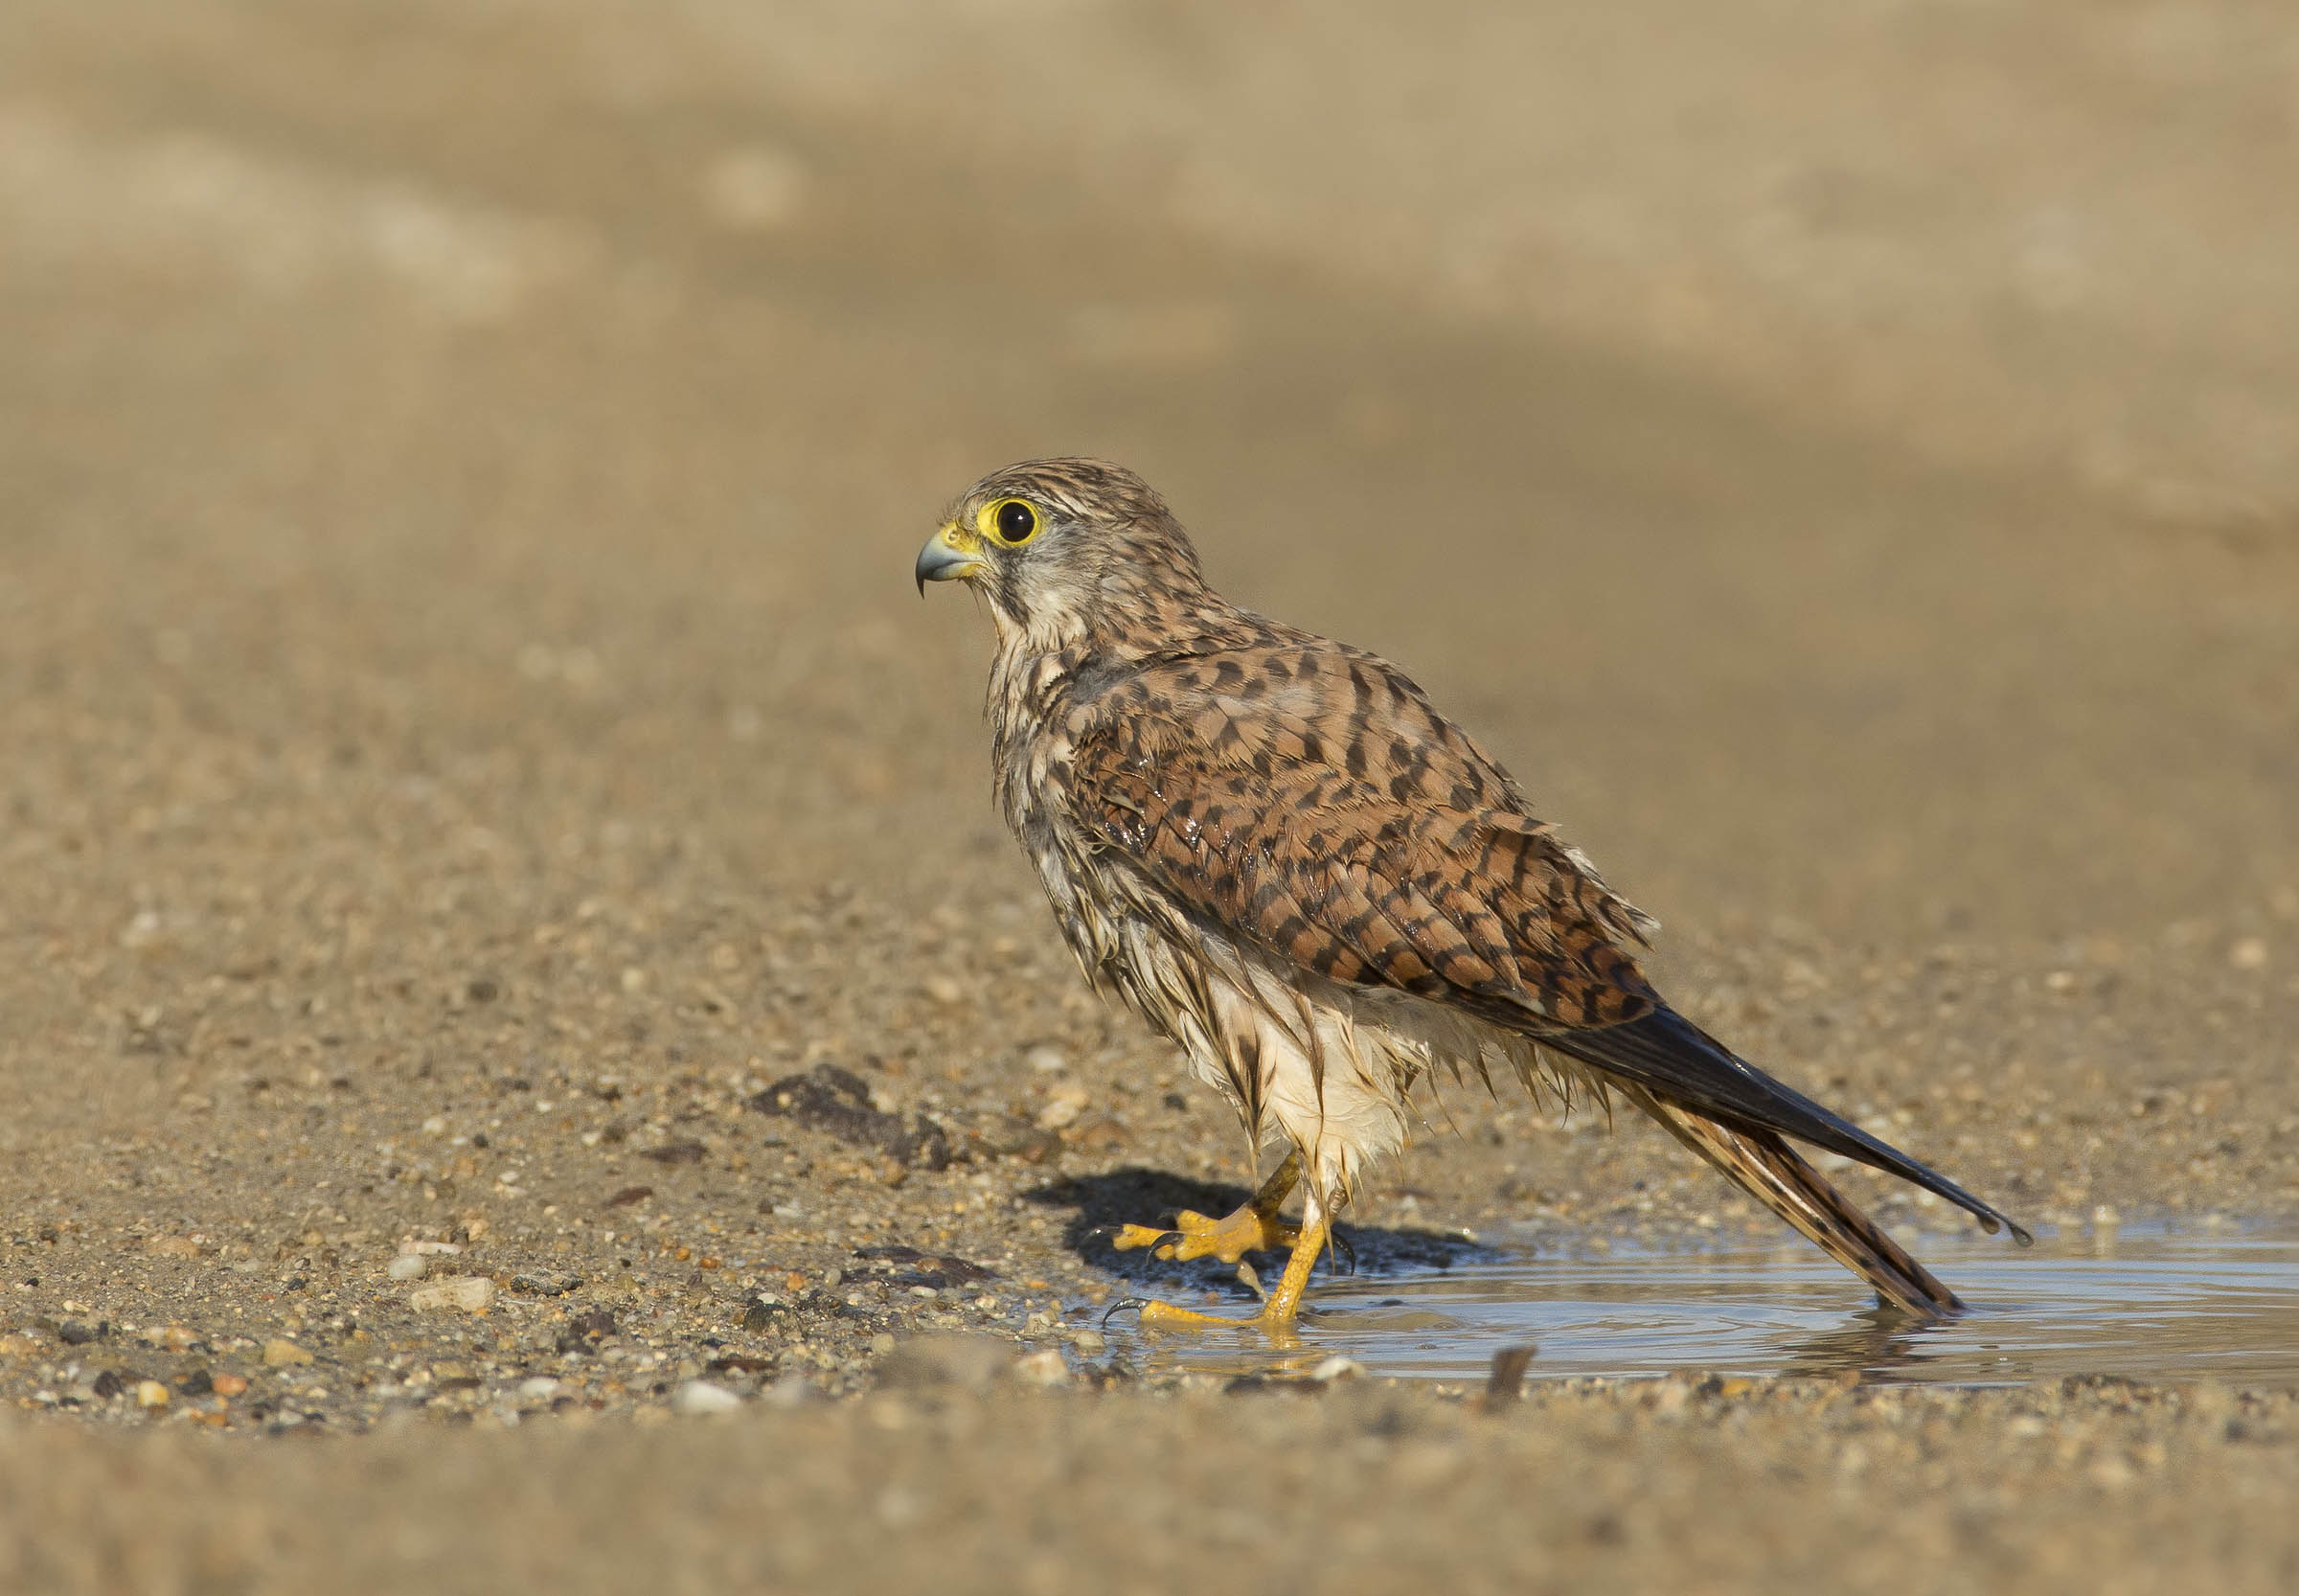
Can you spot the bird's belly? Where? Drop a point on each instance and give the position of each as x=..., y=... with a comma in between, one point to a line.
x=1330, y=1068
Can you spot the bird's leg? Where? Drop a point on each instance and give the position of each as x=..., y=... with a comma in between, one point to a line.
x=1279, y=1309
x=1253, y=1228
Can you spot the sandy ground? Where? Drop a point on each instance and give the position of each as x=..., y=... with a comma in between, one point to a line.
x=470, y=737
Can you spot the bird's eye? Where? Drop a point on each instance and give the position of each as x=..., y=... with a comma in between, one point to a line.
x=1016, y=522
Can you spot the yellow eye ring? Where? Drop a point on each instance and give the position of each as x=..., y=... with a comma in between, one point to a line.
x=1013, y=522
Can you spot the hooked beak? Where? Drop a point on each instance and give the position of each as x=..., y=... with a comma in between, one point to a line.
x=949, y=555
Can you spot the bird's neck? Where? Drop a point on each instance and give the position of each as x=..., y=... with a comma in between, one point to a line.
x=1027, y=683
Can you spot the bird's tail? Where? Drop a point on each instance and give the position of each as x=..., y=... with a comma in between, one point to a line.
x=1763, y=1164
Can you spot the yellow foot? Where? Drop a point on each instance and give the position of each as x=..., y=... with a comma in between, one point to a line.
x=1280, y=1309
x=1197, y=1235
x=1252, y=1228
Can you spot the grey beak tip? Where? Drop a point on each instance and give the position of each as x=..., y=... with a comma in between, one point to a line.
x=936, y=562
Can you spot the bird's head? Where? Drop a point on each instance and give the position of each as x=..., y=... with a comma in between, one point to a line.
x=1057, y=544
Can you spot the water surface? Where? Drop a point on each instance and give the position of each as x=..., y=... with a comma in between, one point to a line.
x=2143, y=1304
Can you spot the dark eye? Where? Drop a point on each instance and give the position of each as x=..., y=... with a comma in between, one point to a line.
x=1016, y=521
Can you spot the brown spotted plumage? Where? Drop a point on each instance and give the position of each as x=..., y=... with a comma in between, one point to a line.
x=1275, y=849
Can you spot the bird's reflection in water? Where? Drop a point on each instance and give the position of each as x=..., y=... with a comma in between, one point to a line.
x=1876, y=1342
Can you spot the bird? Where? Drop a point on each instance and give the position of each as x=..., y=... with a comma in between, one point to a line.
x=1274, y=849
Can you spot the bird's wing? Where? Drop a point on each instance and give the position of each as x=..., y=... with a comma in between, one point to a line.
x=1329, y=816
x=1334, y=819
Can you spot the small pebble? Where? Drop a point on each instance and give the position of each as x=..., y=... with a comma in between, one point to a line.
x=470, y=1293
x=789, y=1391
x=280, y=1353
x=151, y=1393
x=407, y=1266
x=1047, y=1060
x=1041, y=1368
x=700, y=1395
x=229, y=1385
x=1337, y=1367
x=1064, y=1105
x=539, y=1389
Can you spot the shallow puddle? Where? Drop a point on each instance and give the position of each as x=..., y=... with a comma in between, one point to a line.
x=2144, y=1304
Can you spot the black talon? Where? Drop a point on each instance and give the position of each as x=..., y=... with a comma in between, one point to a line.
x=1336, y=1246
x=1137, y=1304
x=1173, y=1236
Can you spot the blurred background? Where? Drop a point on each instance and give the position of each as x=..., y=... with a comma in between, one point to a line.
x=457, y=453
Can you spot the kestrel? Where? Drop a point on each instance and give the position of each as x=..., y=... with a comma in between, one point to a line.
x=1276, y=850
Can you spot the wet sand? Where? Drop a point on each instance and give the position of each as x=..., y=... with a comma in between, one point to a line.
x=471, y=738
